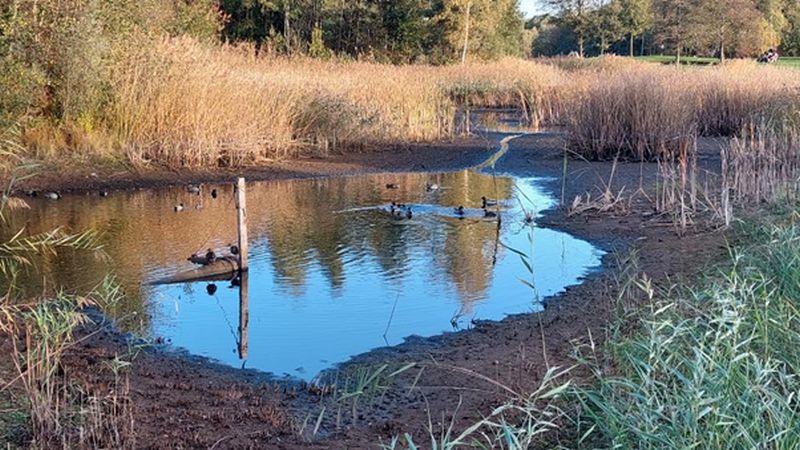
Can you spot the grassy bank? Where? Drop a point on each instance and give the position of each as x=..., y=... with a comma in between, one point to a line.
x=712, y=365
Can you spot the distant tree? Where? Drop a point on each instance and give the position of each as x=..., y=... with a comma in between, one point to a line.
x=576, y=15
x=774, y=19
x=636, y=17
x=485, y=28
x=607, y=24
x=406, y=25
x=317, y=48
x=728, y=24
x=676, y=24
x=552, y=38
x=790, y=38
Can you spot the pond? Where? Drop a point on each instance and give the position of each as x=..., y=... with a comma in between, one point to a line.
x=332, y=272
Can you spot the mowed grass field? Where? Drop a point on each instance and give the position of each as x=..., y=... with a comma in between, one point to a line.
x=704, y=61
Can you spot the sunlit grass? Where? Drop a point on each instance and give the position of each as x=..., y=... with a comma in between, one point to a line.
x=712, y=366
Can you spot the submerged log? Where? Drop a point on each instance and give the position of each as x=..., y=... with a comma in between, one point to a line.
x=223, y=268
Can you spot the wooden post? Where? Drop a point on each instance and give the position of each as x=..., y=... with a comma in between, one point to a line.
x=244, y=315
x=241, y=221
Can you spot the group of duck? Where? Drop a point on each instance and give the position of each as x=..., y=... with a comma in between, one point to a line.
x=486, y=203
x=195, y=189
x=55, y=195
x=401, y=211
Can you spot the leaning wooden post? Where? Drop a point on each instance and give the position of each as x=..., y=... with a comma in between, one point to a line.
x=241, y=221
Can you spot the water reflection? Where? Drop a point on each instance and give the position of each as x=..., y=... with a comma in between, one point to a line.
x=331, y=273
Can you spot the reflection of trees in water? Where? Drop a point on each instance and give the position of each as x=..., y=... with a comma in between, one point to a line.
x=302, y=222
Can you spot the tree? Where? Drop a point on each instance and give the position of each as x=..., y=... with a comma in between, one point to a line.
x=790, y=44
x=727, y=24
x=576, y=15
x=608, y=26
x=551, y=37
x=636, y=17
x=486, y=28
x=676, y=24
x=774, y=18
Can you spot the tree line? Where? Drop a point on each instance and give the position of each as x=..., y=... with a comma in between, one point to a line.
x=719, y=28
x=397, y=31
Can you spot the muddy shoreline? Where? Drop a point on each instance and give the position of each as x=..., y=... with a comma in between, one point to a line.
x=183, y=401
x=440, y=157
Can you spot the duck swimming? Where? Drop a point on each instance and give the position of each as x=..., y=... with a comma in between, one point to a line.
x=487, y=202
x=489, y=214
x=392, y=186
x=192, y=189
x=459, y=211
x=179, y=207
x=431, y=187
x=52, y=195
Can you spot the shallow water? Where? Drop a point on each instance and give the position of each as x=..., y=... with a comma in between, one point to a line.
x=332, y=274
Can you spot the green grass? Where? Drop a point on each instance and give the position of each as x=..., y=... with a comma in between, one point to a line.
x=689, y=60
x=704, y=61
x=711, y=366
x=790, y=62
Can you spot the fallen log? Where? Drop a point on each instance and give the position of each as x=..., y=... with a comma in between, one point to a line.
x=223, y=268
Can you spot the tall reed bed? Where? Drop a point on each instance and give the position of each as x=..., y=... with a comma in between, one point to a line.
x=632, y=115
x=538, y=90
x=644, y=112
x=188, y=104
x=180, y=103
x=763, y=164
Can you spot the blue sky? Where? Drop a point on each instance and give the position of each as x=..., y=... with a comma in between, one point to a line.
x=531, y=7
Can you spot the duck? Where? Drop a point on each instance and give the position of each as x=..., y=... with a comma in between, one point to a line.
x=409, y=213
x=52, y=195
x=192, y=189
x=459, y=211
x=489, y=214
x=211, y=289
x=213, y=193
x=179, y=207
x=487, y=202
x=103, y=193
x=431, y=187
x=210, y=256
x=397, y=214
x=392, y=186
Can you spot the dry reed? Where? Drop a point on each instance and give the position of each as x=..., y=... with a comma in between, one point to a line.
x=764, y=164
x=643, y=112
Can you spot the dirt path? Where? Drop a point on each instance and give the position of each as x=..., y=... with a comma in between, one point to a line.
x=186, y=402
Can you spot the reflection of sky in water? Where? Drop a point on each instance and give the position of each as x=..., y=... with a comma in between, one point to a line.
x=327, y=264
x=303, y=330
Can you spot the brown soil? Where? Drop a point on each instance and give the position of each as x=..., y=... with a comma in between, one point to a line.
x=181, y=401
x=463, y=152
